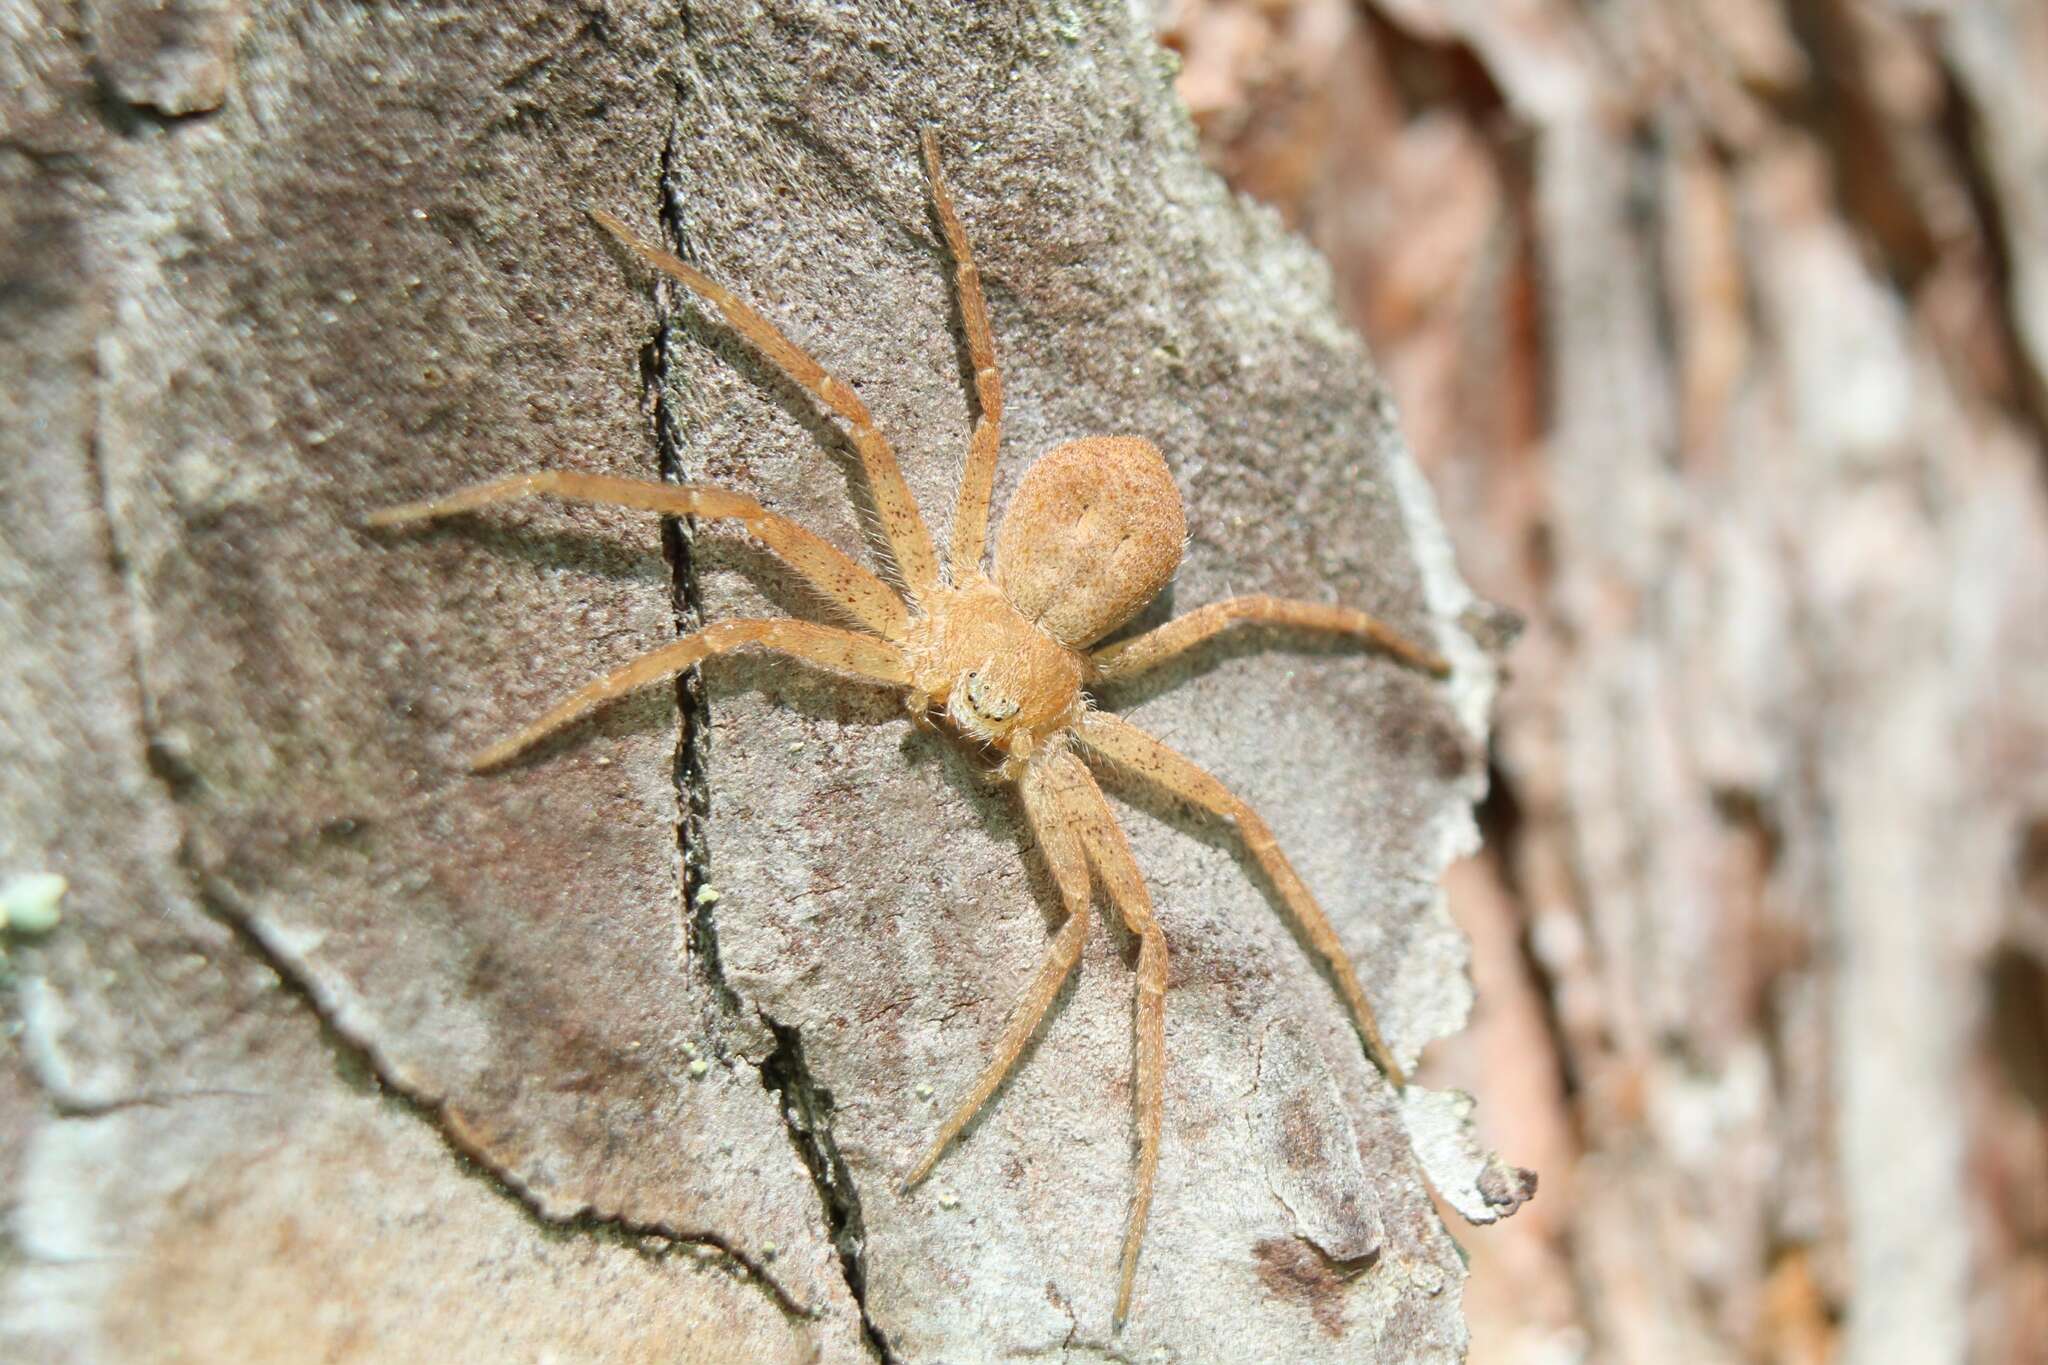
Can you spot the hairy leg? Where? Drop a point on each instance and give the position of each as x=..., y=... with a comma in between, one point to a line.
x=970, y=515
x=1177, y=637
x=844, y=583
x=909, y=540
x=1110, y=854
x=1053, y=827
x=862, y=656
x=1131, y=749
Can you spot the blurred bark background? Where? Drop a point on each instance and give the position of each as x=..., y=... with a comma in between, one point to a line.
x=1722, y=329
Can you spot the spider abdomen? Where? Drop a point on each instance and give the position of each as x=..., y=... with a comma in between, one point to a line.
x=1092, y=534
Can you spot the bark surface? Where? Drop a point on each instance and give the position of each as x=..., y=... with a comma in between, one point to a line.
x=1723, y=331
x=339, y=1052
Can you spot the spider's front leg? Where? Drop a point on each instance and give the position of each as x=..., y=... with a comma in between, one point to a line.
x=909, y=539
x=842, y=651
x=919, y=704
x=842, y=582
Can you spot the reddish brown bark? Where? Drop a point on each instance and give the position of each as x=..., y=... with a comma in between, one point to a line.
x=1721, y=330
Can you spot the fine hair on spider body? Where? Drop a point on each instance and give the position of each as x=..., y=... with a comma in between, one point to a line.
x=1001, y=657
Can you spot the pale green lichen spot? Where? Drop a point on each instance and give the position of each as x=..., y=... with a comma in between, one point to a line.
x=29, y=905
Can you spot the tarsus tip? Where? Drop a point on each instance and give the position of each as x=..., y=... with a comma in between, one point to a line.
x=387, y=517
x=492, y=757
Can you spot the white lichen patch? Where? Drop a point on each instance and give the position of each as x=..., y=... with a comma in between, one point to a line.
x=29, y=904
x=1477, y=1183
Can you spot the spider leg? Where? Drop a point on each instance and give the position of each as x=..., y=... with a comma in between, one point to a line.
x=842, y=651
x=909, y=541
x=970, y=515
x=844, y=583
x=1131, y=749
x=1058, y=840
x=1177, y=637
x=1110, y=854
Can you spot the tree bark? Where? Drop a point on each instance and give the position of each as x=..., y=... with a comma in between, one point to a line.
x=340, y=1052
x=1722, y=329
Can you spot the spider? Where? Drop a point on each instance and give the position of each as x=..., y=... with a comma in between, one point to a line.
x=1001, y=659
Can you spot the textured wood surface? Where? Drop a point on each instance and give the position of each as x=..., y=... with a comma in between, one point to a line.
x=1719, y=327
x=342, y=1053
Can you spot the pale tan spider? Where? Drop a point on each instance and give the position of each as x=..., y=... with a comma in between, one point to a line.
x=1094, y=531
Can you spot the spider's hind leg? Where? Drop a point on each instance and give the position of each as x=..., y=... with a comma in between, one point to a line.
x=1145, y=757
x=1109, y=852
x=1057, y=838
x=1176, y=637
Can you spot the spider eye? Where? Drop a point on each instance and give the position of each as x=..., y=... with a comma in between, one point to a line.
x=991, y=703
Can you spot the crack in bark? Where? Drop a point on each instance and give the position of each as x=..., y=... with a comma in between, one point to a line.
x=120, y=114
x=1507, y=831
x=1869, y=172
x=806, y=1106
x=651, y=1239
x=69, y=1106
x=1965, y=134
x=693, y=707
x=807, y=1111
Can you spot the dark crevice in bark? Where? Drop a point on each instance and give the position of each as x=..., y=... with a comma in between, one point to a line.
x=1872, y=186
x=2016, y=1023
x=1877, y=195
x=130, y=119
x=120, y=115
x=165, y=760
x=1504, y=832
x=806, y=1107
x=693, y=739
x=1431, y=71
x=1963, y=131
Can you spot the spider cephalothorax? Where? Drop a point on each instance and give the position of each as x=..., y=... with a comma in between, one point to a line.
x=1093, y=532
